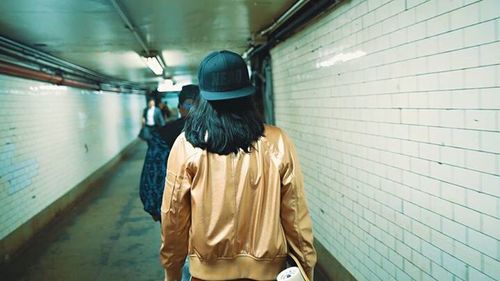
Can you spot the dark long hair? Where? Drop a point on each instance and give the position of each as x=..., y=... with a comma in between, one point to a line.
x=231, y=125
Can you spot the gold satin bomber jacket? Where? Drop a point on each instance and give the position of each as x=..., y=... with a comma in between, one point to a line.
x=236, y=216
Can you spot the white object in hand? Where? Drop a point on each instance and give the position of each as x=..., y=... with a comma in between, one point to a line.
x=290, y=274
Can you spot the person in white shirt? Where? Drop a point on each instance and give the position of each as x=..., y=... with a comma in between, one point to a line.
x=152, y=116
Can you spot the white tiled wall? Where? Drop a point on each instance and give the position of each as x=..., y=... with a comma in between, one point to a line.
x=394, y=107
x=52, y=138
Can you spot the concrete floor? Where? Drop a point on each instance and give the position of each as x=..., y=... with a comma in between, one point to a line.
x=106, y=236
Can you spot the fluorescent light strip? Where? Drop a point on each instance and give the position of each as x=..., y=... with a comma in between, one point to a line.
x=153, y=64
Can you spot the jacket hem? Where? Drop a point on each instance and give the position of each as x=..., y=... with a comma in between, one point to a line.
x=240, y=267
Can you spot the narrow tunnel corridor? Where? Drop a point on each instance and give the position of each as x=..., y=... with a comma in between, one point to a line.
x=392, y=106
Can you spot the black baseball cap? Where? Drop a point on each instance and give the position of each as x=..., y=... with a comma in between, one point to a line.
x=223, y=75
x=188, y=92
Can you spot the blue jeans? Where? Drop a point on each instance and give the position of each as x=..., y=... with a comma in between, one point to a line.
x=186, y=276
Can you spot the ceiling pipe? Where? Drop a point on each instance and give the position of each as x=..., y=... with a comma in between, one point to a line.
x=20, y=53
x=37, y=56
x=285, y=16
x=294, y=22
x=14, y=70
x=302, y=18
x=247, y=52
x=18, y=57
x=83, y=85
x=130, y=26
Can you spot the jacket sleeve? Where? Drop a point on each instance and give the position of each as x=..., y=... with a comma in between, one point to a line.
x=294, y=214
x=175, y=213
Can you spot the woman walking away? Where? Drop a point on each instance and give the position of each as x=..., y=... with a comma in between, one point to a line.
x=153, y=170
x=234, y=199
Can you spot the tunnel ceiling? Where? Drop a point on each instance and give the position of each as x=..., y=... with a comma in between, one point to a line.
x=91, y=33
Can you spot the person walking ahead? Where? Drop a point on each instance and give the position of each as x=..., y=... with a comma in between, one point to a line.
x=234, y=199
x=152, y=116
